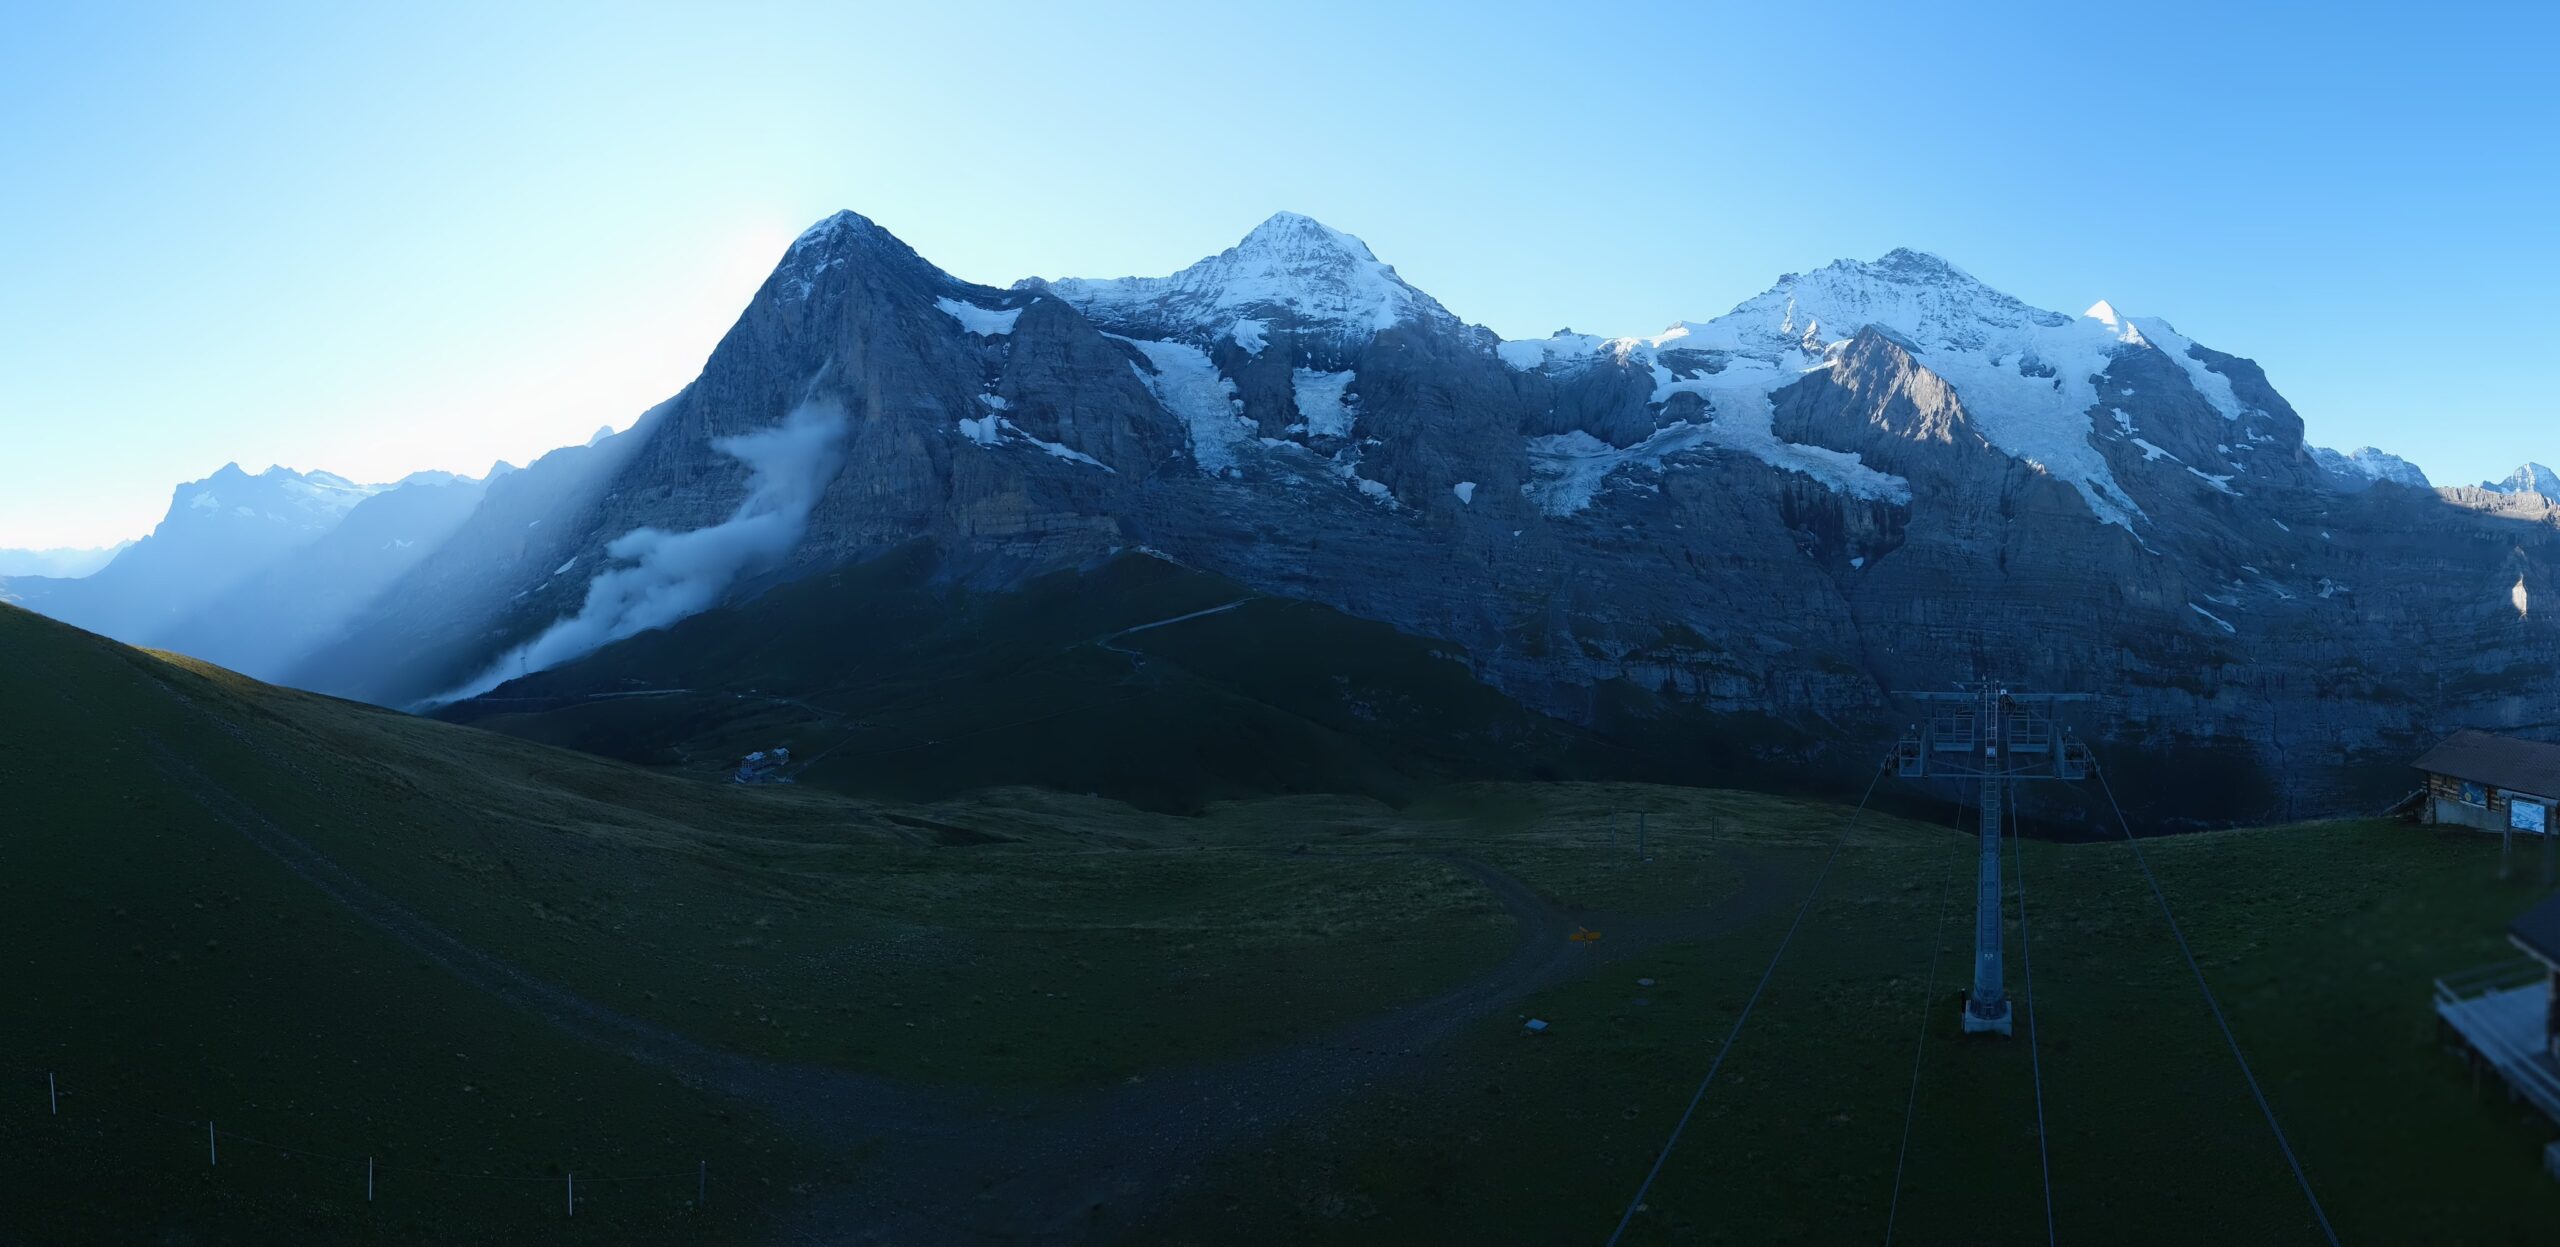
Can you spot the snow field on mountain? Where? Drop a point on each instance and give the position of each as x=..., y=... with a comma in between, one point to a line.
x=986, y=322
x=1189, y=386
x=1321, y=401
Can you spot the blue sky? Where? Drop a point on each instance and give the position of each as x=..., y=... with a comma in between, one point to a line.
x=375, y=241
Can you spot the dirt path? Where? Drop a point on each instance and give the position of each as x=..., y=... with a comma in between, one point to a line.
x=1093, y=1167
x=1162, y=623
x=956, y=1166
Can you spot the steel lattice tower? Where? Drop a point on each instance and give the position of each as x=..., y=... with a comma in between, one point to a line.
x=1999, y=738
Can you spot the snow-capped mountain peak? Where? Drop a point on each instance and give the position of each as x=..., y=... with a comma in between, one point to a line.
x=2124, y=328
x=829, y=229
x=2030, y=378
x=279, y=495
x=1916, y=298
x=1297, y=235
x=2532, y=478
x=1916, y=295
x=843, y=241
x=1291, y=266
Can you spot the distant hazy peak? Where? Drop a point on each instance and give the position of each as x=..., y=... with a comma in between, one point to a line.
x=65, y=563
x=2365, y=465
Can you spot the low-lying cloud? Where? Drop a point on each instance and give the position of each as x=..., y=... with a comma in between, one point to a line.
x=665, y=577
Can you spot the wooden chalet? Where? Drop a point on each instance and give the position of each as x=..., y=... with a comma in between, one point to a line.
x=2492, y=782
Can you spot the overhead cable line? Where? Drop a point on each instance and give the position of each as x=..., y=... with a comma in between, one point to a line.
x=2318, y=1214
x=2035, y=1055
x=1928, y=1001
x=1745, y=1016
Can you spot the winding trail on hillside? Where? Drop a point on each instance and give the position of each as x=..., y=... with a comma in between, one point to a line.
x=946, y=1165
x=1163, y=623
x=1095, y=1166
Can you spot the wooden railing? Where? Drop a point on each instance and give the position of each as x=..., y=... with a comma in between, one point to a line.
x=2463, y=1000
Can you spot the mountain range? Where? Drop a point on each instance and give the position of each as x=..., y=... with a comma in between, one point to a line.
x=59, y=562
x=251, y=571
x=1740, y=536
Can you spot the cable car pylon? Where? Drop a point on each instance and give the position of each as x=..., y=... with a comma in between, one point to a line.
x=1999, y=737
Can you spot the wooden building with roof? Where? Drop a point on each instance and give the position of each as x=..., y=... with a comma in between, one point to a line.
x=2492, y=782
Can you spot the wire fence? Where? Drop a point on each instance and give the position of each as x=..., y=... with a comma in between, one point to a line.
x=73, y=1101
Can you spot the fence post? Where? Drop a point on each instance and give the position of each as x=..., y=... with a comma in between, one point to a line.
x=211, y=1157
x=368, y=1179
x=52, y=1098
x=573, y=1194
x=701, y=1183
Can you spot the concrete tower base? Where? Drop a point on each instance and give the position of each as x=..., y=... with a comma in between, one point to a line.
x=1976, y=1024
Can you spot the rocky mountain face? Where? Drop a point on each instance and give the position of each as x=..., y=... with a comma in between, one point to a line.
x=1874, y=476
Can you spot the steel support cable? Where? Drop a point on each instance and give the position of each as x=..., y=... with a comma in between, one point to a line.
x=1747, y=1005
x=2035, y=1054
x=2317, y=1212
x=1928, y=1001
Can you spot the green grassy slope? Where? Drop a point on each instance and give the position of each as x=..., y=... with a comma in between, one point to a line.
x=1018, y=942
x=1014, y=939
x=169, y=971
x=897, y=686
x=2320, y=940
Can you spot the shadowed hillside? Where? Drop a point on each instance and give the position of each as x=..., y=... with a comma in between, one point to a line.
x=1141, y=680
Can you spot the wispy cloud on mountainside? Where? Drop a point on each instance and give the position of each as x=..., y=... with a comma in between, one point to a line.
x=668, y=576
